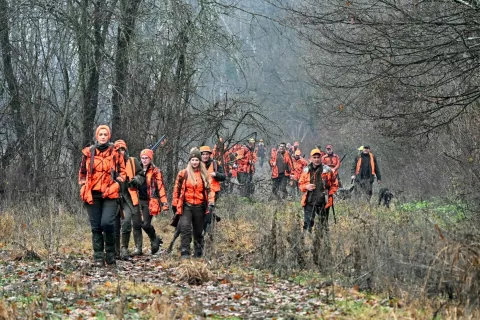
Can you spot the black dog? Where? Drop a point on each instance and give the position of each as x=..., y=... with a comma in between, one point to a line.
x=385, y=195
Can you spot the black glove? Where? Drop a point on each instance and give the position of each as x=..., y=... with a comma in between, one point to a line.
x=217, y=217
x=175, y=219
x=211, y=209
x=133, y=183
x=208, y=219
x=174, y=209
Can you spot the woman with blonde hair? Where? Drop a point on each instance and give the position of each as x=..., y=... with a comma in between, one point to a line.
x=193, y=199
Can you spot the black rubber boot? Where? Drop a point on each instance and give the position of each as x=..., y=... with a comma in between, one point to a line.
x=155, y=244
x=110, y=248
x=124, y=255
x=198, y=249
x=138, y=239
x=98, y=249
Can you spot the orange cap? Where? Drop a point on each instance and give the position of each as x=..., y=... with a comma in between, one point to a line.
x=205, y=149
x=315, y=151
x=147, y=152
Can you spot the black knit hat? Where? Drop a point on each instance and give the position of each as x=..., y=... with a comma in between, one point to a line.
x=195, y=153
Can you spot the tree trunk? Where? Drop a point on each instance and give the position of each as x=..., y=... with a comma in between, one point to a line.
x=10, y=78
x=126, y=29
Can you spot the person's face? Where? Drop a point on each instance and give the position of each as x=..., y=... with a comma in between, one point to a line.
x=366, y=150
x=205, y=156
x=145, y=160
x=102, y=137
x=122, y=151
x=281, y=148
x=329, y=150
x=195, y=162
x=316, y=160
x=297, y=157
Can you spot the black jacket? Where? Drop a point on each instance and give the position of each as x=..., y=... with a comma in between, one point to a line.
x=366, y=168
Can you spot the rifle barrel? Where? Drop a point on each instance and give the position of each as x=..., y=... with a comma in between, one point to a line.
x=157, y=144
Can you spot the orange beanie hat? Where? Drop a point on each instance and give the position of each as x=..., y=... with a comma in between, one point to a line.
x=147, y=153
x=103, y=126
x=120, y=144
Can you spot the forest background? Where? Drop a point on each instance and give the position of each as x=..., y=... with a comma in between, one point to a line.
x=400, y=76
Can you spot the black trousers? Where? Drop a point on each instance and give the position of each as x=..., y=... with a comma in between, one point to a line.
x=309, y=213
x=102, y=223
x=143, y=220
x=191, y=223
x=245, y=179
x=364, y=186
x=280, y=184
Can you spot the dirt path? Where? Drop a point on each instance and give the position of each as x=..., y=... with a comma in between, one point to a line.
x=157, y=287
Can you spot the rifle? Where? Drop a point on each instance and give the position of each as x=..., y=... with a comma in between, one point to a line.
x=158, y=143
x=343, y=157
x=334, y=217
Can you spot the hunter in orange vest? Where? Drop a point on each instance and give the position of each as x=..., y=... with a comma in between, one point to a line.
x=193, y=200
x=128, y=202
x=299, y=163
x=281, y=164
x=333, y=161
x=101, y=170
x=153, y=199
x=318, y=184
x=246, y=159
x=364, y=171
x=215, y=170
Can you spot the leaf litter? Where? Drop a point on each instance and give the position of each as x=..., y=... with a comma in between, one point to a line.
x=69, y=288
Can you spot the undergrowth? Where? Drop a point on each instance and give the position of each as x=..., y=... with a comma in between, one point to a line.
x=416, y=254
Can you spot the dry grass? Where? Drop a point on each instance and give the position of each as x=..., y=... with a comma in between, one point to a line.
x=194, y=272
x=6, y=312
x=399, y=254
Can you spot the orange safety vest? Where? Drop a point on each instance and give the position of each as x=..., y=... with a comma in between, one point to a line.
x=332, y=161
x=287, y=159
x=179, y=192
x=130, y=169
x=298, y=166
x=215, y=185
x=359, y=164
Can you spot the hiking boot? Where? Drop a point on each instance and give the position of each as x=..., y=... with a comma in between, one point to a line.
x=155, y=244
x=124, y=255
x=111, y=262
x=98, y=264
